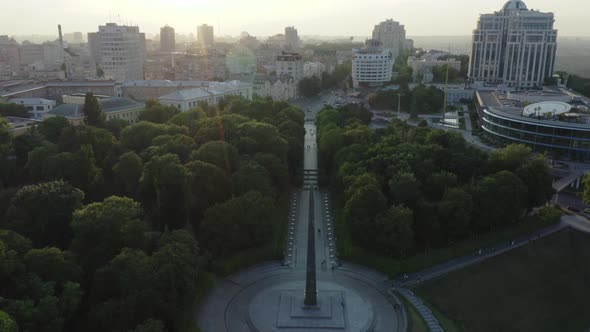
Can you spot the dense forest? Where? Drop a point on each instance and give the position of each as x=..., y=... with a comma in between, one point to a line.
x=406, y=189
x=114, y=227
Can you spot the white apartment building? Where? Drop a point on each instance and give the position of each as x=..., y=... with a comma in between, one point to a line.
x=514, y=46
x=36, y=107
x=119, y=51
x=392, y=35
x=290, y=63
x=371, y=65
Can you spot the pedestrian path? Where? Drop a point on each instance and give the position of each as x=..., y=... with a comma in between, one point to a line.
x=431, y=321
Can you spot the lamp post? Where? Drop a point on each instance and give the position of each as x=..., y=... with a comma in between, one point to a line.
x=399, y=98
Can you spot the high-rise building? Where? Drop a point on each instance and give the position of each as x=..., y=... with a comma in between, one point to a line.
x=290, y=63
x=392, y=35
x=167, y=39
x=205, y=35
x=514, y=46
x=292, y=40
x=119, y=51
x=371, y=65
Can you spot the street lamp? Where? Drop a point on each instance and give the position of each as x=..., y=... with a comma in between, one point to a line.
x=399, y=98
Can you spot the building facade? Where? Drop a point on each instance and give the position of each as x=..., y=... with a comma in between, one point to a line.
x=36, y=107
x=282, y=88
x=292, y=40
x=392, y=35
x=290, y=63
x=205, y=35
x=515, y=46
x=185, y=100
x=167, y=39
x=119, y=51
x=371, y=65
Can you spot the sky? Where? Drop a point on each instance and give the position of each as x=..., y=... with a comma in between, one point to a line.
x=269, y=17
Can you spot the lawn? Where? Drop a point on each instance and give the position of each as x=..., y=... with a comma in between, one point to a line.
x=393, y=267
x=544, y=286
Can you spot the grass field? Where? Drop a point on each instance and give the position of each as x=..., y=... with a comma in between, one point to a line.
x=544, y=286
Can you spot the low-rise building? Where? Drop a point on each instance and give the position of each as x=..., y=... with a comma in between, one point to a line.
x=211, y=94
x=114, y=108
x=561, y=129
x=19, y=126
x=281, y=88
x=423, y=65
x=36, y=107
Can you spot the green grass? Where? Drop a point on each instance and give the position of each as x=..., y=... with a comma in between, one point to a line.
x=394, y=267
x=544, y=286
x=415, y=321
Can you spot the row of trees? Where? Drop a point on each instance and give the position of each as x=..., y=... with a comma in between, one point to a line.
x=420, y=100
x=410, y=188
x=113, y=228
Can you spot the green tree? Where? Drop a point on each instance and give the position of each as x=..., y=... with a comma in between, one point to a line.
x=220, y=154
x=240, y=223
x=360, y=210
x=251, y=176
x=157, y=113
x=208, y=185
x=42, y=212
x=128, y=171
x=12, y=109
x=404, y=188
x=505, y=190
x=52, y=264
x=93, y=114
x=310, y=86
x=164, y=192
x=7, y=324
x=102, y=229
x=394, y=230
x=456, y=213
x=52, y=127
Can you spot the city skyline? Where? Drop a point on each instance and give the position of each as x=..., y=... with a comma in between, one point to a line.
x=231, y=17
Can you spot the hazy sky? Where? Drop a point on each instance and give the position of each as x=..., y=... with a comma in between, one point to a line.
x=268, y=17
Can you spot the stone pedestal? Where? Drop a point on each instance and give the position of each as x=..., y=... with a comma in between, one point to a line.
x=328, y=314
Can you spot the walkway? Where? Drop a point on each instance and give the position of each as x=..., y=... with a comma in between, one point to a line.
x=227, y=307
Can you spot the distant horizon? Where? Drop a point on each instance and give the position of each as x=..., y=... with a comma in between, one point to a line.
x=268, y=17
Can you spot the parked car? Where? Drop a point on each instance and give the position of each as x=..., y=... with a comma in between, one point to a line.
x=573, y=208
x=587, y=210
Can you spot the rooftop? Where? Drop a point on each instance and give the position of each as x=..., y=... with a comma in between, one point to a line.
x=108, y=105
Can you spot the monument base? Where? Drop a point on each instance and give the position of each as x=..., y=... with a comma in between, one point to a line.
x=281, y=309
x=329, y=313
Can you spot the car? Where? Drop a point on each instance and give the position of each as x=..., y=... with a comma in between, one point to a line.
x=587, y=210
x=573, y=208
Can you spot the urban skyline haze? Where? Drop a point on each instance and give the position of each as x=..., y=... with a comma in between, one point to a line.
x=268, y=17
